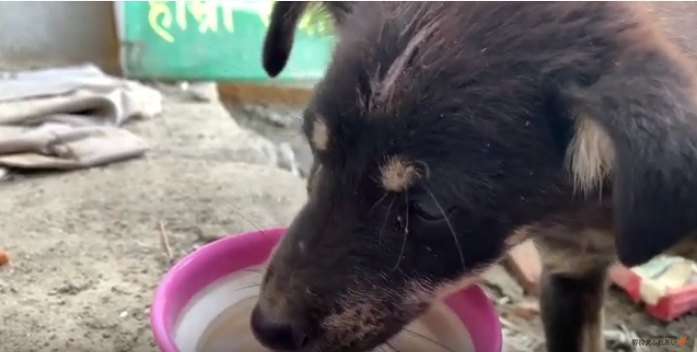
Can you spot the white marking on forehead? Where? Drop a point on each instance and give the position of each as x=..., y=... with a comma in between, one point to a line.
x=590, y=155
x=320, y=134
x=384, y=89
x=398, y=174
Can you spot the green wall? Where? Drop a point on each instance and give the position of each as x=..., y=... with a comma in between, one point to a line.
x=215, y=40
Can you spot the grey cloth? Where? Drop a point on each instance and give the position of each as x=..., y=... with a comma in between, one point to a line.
x=70, y=118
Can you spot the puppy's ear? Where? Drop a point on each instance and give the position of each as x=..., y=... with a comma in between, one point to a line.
x=647, y=106
x=284, y=19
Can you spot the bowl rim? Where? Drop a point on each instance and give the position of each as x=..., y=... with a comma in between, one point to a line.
x=188, y=277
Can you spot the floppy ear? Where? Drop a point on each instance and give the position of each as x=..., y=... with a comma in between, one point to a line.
x=647, y=105
x=284, y=19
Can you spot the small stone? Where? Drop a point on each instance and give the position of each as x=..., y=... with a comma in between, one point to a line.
x=208, y=233
x=203, y=91
x=4, y=257
x=526, y=309
x=269, y=115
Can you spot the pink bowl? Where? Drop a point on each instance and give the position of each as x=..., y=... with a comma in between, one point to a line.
x=230, y=254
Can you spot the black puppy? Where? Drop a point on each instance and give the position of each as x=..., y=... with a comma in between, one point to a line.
x=445, y=133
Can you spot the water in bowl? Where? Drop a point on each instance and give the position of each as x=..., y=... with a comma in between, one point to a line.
x=230, y=331
x=217, y=320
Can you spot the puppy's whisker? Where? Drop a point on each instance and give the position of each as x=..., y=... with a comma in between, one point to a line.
x=406, y=233
x=258, y=284
x=422, y=336
x=247, y=219
x=254, y=270
x=392, y=347
x=378, y=202
x=450, y=226
x=387, y=217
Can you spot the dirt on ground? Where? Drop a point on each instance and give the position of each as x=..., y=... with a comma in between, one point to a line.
x=85, y=246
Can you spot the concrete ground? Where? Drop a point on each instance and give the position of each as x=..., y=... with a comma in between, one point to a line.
x=85, y=245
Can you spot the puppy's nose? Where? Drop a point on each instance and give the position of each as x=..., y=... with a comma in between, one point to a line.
x=277, y=336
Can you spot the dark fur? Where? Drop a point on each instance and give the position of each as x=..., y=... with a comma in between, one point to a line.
x=580, y=297
x=485, y=105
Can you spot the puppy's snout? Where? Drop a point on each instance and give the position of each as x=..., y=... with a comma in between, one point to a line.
x=281, y=336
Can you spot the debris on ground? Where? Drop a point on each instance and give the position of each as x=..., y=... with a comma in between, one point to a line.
x=664, y=274
x=202, y=92
x=527, y=308
x=520, y=337
x=622, y=339
x=667, y=285
x=523, y=261
x=164, y=242
x=664, y=289
x=626, y=321
x=269, y=115
x=505, y=286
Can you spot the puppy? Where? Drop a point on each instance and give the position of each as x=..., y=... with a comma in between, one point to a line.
x=445, y=133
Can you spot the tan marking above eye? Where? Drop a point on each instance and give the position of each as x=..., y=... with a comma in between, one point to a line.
x=320, y=135
x=398, y=174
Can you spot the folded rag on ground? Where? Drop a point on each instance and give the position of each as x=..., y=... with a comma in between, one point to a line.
x=70, y=118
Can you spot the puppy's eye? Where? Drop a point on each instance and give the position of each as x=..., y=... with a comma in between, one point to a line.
x=427, y=209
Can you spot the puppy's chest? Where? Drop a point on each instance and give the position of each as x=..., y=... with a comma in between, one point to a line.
x=686, y=248
x=571, y=244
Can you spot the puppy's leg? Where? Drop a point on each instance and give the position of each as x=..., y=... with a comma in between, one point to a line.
x=572, y=311
x=571, y=299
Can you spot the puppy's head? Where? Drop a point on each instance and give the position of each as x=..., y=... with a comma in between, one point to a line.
x=412, y=193
x=429, y=153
